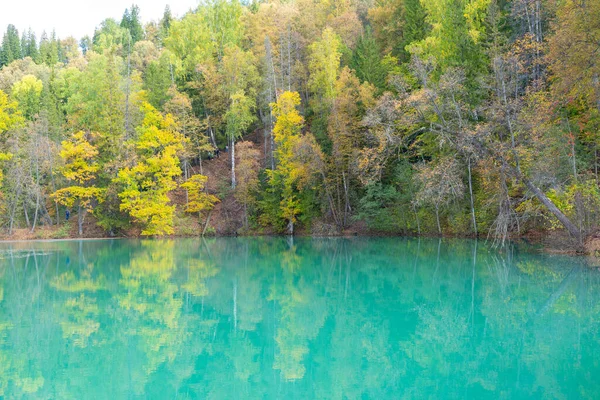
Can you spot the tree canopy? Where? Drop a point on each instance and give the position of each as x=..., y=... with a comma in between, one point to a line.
x=403, y=116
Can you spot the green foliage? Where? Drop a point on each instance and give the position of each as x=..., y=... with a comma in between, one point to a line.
x=580, y=201
x=131, y=22
x=406, y=115
x=95, y=99
x=110, y=36
x=11, y=46
x=397, y=24
x=157, y=81
x=50, y=49
x=386, y=206
x=27, y=93
x=63, y=232
x=367, y=62
x=324, y=66
x=239, y=116
x=456, y=37
x=29, y=46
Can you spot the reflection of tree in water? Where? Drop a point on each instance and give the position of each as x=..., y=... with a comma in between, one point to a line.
x=79, y=312
x=302, y=312
x=153, y=303
x=308, y=318
x=4, y=327
x=152, y=308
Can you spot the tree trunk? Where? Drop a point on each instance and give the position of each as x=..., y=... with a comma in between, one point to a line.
x=14, y=206
x=38, y=192
x=80, y=212
x=573, y=158
x=206, y=223
x=272, y=140
x=515, y=172
x=596, y=164
x=265, y=141
x=212, y=136
x=472, y=199
x=37, y=210
x=128, y=90
x=232, y=150
x=187, y=176
x=417, y=218
x=564, y=220
x=235, y=304
x=346, y=199
x=26, y=214
x=437, y=218
x=330, y=199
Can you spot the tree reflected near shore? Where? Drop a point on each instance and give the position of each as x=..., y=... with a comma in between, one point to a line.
x=295, y=318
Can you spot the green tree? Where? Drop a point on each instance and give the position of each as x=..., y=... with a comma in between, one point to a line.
x=457, y=35
x=29, y=45
x=131, y=21
x=239, y=118
x=110, y=35
x=96, y=102
x=366, y=61
x=49, y=49
x=11, y=46
x=27, y=92
x=397, y=24
x=324, y=66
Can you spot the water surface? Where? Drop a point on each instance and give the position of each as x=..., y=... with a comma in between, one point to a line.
x=275, y=318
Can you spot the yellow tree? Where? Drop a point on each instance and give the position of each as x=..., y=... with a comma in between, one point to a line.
x=9, y=118
x=147, y=184
x=287, y=132
x=80, y=171
x=198, y=199
x=298, y=159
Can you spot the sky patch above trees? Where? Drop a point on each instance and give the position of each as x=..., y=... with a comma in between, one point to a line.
x=79, y=18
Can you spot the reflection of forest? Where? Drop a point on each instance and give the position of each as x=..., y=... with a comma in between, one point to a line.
x=308, y=318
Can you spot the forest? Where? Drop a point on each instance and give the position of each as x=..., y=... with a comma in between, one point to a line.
x=319, y=117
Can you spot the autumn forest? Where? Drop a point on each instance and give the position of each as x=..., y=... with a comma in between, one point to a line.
x=316, y=117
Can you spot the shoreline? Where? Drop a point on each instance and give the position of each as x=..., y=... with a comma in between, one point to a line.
x=551, y=243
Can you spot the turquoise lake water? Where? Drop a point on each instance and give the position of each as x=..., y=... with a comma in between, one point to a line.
x=279, y=318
